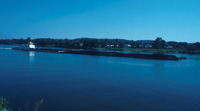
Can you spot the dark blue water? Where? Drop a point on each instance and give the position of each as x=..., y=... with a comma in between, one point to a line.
x=68, y=82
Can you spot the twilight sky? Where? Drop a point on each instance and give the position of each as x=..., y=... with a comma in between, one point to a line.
x=173, y=20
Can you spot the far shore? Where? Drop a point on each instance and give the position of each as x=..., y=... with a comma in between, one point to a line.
x=152, y=50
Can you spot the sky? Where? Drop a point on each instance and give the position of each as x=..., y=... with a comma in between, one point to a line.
x=173, y=20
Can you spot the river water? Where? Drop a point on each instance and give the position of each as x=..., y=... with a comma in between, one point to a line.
x=68, y=82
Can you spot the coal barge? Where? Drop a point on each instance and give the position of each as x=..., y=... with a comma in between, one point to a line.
x=31, y=47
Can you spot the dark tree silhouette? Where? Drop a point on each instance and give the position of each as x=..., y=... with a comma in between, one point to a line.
x=159, y=43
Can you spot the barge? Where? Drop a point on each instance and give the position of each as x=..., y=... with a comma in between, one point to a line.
x=31, y=47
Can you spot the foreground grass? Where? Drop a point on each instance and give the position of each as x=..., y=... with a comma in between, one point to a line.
x=4, y=106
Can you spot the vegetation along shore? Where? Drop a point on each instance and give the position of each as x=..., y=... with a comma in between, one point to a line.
x=152, y=46
x=158, y=48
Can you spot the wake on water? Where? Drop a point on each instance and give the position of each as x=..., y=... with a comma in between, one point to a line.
x=4, y=48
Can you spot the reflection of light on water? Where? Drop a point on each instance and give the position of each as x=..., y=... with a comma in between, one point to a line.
x=129, y=63
x=4, y=48
x=31, y=56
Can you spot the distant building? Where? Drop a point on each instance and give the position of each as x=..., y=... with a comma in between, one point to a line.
x=117, y=45
x=148, y=46
x=81, y=44
x=127, y=45
x=110, y=45
x=169, y=47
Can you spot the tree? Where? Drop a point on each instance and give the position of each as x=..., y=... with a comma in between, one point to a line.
x=28, y=39
x=197, y=46
x=104, y=43
x=191, y=47
x=90, y=43
x=159, y=43
x=21, y=41
x=133, y=44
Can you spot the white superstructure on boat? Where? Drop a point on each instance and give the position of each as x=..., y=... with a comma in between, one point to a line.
x=31, y=45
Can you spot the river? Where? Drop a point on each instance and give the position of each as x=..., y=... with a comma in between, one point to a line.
x=68, y=82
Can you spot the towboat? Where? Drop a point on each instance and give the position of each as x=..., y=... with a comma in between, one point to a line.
x=29, y=46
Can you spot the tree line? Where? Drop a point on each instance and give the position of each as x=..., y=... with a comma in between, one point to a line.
x=88, y=43
x=84, y=43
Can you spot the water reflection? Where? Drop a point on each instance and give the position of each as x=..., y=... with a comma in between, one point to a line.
x=158, y=69
x=90, y=62
x=31, y=56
